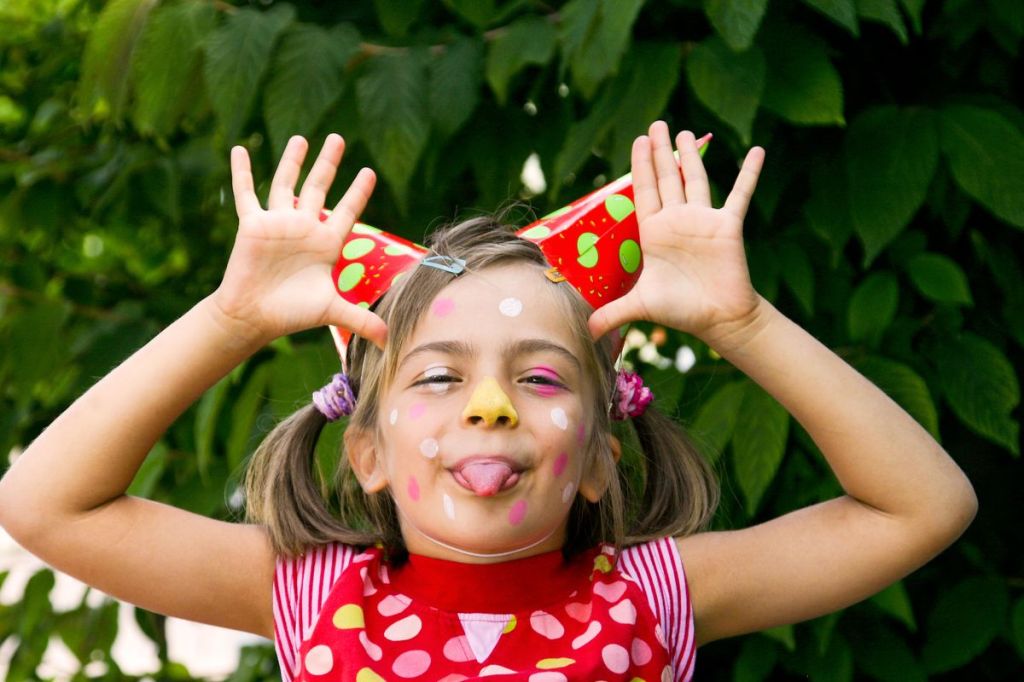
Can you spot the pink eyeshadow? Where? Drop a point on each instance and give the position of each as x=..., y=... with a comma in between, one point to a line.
x=547, y=373
x=443, y=307
x=517, y=513
x=414, y=489
x=560, y=463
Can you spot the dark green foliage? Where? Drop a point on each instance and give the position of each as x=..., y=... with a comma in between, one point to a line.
x=888, y=223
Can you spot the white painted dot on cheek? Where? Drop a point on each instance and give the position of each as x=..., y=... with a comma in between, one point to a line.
x=510, y=307
x=449, y=507
x=429, y=448
x=393, y=417
x=568, y=491
x=559, y=418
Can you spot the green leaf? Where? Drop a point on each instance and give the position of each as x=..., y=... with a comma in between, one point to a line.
x=306, y=79
x=895, y=602
x=477, y=12
x=150, y=472
x=843, y=12
x=872, y=308
x=715, y=421
x=244, y=411
x=758, y=443
x=396, y=16
x=393, y=103
x=582, y=137
x=34, y=345
x=891, y=158
x=89, y=632
x=965, y=620
x=756, y=660
x=644, y=85
x=833, y=664
x=798, y=275
x=237, y=57
x=886, y=12
x=939, y=278
x=782, y=634
x=35, y=602
x=736, y=21
x=530, y=40
x=827, y=210
x=207, y=412
x=913, y=8
x=905, y=386
x=986, y=156
x=455, y=78
x=802, y=85
x=979, y=383
x=294, y=375
x=108, y=54
x=166, y=65
x=727, y=83
x=884, y=655
x=595, y=35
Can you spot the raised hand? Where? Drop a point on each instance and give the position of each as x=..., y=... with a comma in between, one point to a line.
x=695, y=275
x=278, y=278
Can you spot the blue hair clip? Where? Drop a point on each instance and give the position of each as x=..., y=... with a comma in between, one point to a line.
x=451, y=264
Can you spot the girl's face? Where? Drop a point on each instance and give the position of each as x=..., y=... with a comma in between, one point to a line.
x=485, y=421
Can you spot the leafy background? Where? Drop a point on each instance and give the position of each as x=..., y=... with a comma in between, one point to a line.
x=888, y=223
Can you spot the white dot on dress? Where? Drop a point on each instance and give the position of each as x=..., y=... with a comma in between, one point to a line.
x=319, y=660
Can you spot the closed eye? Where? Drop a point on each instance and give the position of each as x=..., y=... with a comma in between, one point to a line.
x=542, y=381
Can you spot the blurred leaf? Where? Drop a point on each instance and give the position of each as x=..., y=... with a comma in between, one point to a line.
x=939, y=278
x=758, y=443
x=244, y=411
x=86, y=631
x=35, y=345
x=913, y=8
x=979, y=383
x=108, y=53
x=207, y=412
x=834, y=664
x=476, y=12
x=306, y=79
x=237, y=57
x=872, y=308
x=530, y=40
x=802, y=85
x=796, y=272
x=965, y=620
x=986, y=155
x=165, y=65
x=396, y=16
x=756, y=659
x=891, y=158
x=150, y=472
x=35, y=603
x=736, y=21
x=884, y=655
x=294, y=376
x=905, y=386
x=393, y=98
x=885, y=12
x=595, y=35
x=1017, y=626
x=895, y=601
x=782, y=634
x=828, y=209
x=727, y=83
x=715, y=422
x=455, y=79
x=843, y=12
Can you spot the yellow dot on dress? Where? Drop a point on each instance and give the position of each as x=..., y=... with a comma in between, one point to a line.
x=349, y=617
x=367, y=675
x=551, y=663
x=509, y=626
x=602, y=564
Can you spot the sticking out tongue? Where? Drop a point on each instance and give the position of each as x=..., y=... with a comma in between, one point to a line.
x=486, y=478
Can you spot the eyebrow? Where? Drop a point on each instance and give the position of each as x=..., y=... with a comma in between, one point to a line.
x=520, y=347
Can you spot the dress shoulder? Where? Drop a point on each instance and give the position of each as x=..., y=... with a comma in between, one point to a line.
x=301, y=586
x=657, y=568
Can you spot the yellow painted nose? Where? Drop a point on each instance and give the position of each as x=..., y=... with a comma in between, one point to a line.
x=490, y=404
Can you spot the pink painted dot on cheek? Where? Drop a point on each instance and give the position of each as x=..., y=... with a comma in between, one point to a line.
x=417, y=410
x=414, y=489
x=517, y=513
x=560, y=463
x=443, y=307
x=581, y=433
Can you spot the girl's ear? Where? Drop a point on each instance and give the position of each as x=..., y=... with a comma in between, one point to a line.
x=595, y=479
x=361, y=450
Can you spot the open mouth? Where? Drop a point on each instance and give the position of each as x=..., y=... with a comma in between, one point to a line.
x=486, y=476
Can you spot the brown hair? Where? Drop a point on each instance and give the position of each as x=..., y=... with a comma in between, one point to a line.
x=674, y=490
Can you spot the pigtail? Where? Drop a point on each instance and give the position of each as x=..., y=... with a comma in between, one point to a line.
x=679, y=491
x=286, y=494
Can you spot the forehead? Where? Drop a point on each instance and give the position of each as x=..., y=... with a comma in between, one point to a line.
x=498, y=303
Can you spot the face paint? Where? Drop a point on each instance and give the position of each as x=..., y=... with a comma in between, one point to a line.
x=489, y=402
x=517, y=513
x=443, y=307
x=548, y=373
x=393, y=417
x=429, y=448
x=560, y=463
x=510, y=307
x=437, y=386
x=568, y=491
x=559, y=418
x=581, y=434
x=449, y=507
x=417, y=410
x=414, y=489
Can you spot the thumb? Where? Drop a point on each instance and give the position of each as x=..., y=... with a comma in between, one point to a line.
x=611, y=316
x=359, y=321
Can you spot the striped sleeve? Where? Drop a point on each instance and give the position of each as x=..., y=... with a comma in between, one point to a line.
x=658, y=569
x=301, y=586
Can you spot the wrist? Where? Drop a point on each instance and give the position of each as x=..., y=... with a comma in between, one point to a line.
x=236, y=335
x=731, y=337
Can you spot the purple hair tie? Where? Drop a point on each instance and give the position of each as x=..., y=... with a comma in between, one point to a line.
x=631, y=396
x=335, y=400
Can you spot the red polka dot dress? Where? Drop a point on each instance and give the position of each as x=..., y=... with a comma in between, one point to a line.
x=342, y=614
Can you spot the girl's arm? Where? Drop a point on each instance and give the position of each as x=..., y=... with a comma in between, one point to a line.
x=905, y=501
x=64, y=498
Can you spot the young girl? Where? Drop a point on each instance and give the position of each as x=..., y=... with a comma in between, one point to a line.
x=486, y=530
